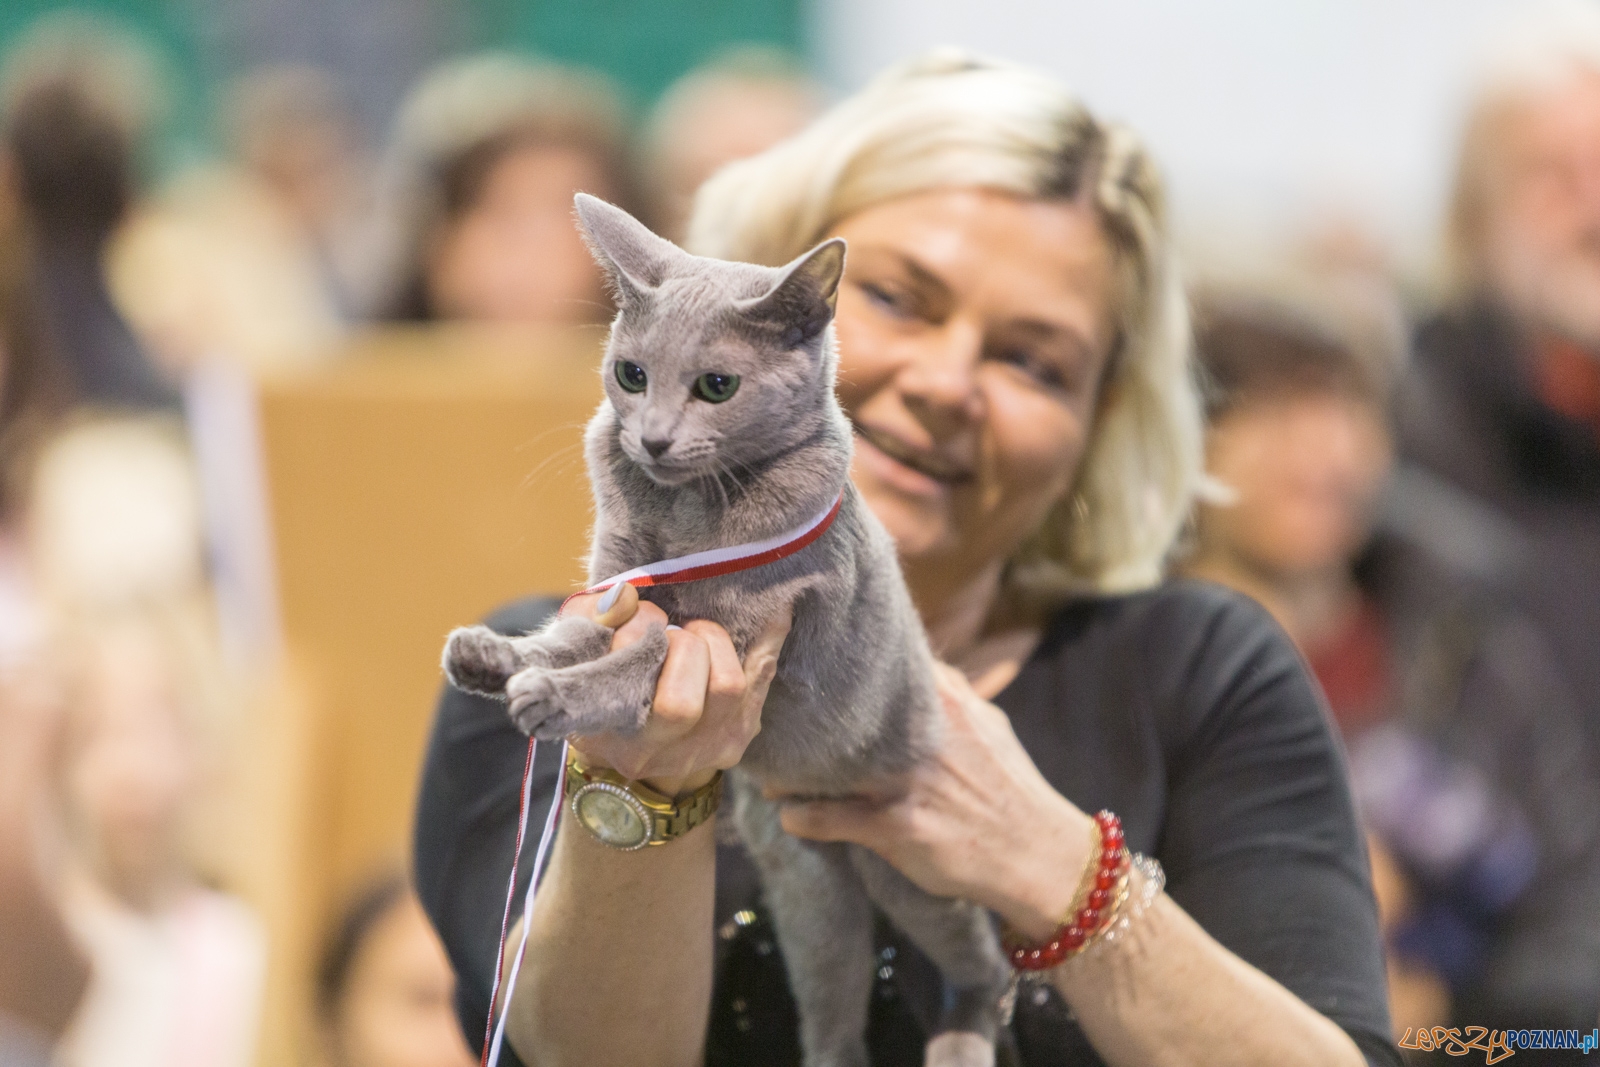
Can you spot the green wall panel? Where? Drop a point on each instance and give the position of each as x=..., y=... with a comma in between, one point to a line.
x=643, y=44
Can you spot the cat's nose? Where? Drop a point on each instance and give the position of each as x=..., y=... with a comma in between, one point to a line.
x=656, y=446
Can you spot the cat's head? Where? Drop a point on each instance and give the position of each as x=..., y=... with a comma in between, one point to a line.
x=712, y=366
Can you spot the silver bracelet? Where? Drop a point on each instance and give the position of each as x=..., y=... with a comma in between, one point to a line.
x=1154, y=880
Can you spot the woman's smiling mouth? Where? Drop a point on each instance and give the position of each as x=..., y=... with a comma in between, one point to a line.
x=928, y=464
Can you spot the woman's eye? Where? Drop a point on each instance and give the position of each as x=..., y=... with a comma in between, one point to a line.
x=889, y=301
x=631, y=376
x=1040, y=370
x=715, y=388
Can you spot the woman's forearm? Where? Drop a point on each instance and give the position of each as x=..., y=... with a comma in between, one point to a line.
x=618, y=967
x=1167, y=993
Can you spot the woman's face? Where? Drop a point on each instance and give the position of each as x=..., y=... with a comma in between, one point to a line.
x=1543, y=224
x=973, y=330
x=1306, y=471
x=514, y=256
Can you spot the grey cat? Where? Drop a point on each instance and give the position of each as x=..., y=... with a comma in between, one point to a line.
x=720, y=427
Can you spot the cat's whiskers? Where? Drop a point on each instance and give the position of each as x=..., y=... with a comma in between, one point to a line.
x=563, y=454
x=723, y=470
x=716, y=480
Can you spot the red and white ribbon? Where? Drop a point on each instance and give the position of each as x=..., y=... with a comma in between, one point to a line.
x=715, y=562
x=694, y=567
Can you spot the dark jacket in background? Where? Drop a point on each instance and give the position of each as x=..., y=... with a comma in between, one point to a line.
x=1480, y=783
x=1500, y=495
x=1510, y=489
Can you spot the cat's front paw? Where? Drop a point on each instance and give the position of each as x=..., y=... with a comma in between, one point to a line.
x=480, y=661
x=535, y=706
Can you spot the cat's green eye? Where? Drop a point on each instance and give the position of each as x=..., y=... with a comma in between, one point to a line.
x=714, y=387
x=631, y=376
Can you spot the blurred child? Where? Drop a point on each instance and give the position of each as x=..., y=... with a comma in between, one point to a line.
x=385, y=988
x=109, y=533
x=1466, y=750
x=177, y=967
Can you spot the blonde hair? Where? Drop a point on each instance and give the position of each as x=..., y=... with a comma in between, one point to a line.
x=949, y=120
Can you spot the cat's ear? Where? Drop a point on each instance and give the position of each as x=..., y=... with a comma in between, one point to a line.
x=802, y=301
x=635, y=259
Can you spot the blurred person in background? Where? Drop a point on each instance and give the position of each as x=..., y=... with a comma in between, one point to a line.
x=177, y=967
x=1466, y=747
x=75, y=105
x=384, y=986
x=738, y=105
x=487, y=154
x=110, y=526
x=259, y=260
x=1500, y=419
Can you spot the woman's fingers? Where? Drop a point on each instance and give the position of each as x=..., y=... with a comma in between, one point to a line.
x=612, y=608
x=620, y=609
x=707, y=703
x=616, y=605
x=681, y=689
x=726, y=681
x=646, y=616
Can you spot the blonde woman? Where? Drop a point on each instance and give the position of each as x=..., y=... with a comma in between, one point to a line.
x=1013, y=355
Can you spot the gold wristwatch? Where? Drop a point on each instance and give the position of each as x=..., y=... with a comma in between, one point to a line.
x=628, y=815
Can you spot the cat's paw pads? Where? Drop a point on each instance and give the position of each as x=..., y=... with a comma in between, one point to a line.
x=959, y=1048
x=479, y=660
x=532, y=694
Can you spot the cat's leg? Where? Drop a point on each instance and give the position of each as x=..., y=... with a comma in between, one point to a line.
x=960, y=940
x=481, y=661
x=611, y=694
x=824, y=925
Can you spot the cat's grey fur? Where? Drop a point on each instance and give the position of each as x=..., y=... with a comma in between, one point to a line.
x=854, y=697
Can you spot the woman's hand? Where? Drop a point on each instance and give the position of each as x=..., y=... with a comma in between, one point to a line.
x=978, y=821
x=707, y=705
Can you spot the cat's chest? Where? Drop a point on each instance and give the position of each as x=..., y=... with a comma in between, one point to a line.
x=740, y=607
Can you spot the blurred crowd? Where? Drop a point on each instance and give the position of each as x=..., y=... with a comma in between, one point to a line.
x=1411, y=485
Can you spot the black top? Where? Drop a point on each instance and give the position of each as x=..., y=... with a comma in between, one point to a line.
x=1184, y=709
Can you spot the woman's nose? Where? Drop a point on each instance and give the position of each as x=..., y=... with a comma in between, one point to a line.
x=940, y=385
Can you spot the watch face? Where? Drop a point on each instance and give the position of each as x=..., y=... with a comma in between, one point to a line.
x=605, y=812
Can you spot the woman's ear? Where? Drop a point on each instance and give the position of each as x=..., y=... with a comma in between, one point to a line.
x=802, y=301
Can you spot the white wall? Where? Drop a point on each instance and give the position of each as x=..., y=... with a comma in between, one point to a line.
x=1266, y=114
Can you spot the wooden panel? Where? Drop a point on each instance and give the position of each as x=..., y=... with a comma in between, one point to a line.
x=414, y=487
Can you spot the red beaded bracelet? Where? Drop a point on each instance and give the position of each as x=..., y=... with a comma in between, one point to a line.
x=1104, y=883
